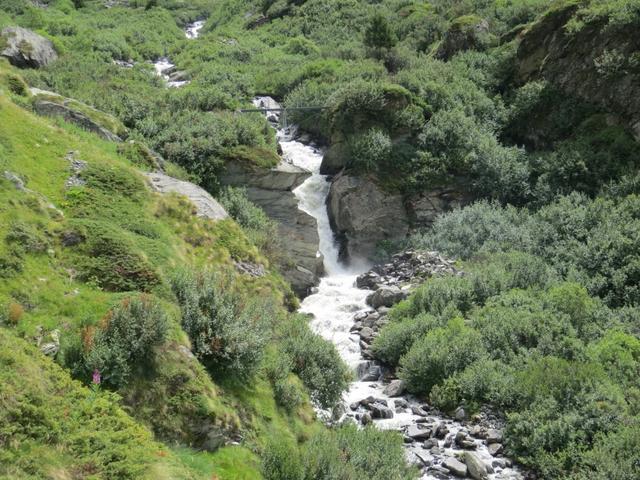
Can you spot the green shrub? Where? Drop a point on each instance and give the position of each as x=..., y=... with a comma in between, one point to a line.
x=440, y=354
x=16, y=84
x=483, y=382
x=281, y=461
x=316, y=362
x=516, y=322
x=27, y=237
x=123, y=343
x=228, y=333
x=378, y=34
x=439, y=294
x=286, y=390
x=397, y=338
x=370, y=150
x=346, y=452
x=109, y=258
x=482, y=227
x=614, y=455
x=139, y=154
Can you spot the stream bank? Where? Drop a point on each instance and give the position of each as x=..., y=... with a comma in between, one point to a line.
x=442, y=447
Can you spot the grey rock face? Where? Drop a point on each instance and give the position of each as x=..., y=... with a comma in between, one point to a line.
x=425, y=207
x=364, y=215
x=206, y=205
x=26, y=49
x=271, y=189
x=66, y=111
x=335, y=158
x=576, y=62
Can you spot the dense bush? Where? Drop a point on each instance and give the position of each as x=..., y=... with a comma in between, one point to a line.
x=228, y=333
x=260, y=229
x=347, y=453
x=439, y=354
x=109, y=258
x=397, y=338
x=585, y=240
x=316, y=362
x=122, y=345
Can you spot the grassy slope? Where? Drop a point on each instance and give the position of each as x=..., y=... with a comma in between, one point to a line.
x=44, y=290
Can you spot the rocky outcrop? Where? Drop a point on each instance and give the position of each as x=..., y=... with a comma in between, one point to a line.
x=407, y=268
x=51, y=104
x=335, y=158
x=595, y=63
x=26, y=49
x=272, y=190
x=465, y=33
x=206, y=205
x=425, y=207
x=363, y=215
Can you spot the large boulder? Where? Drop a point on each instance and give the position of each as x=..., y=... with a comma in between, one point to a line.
x=206, y=205
x=386, y=296
x=594, y=63
x=363, y=215
x=51, y=104
x=475, y=466
x=465, y=33
x=455, y=466
x=271, y=190
x=26, y=49
x=335, y=158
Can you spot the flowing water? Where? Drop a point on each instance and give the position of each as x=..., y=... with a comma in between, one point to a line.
x=163, y=65
x=335, y=303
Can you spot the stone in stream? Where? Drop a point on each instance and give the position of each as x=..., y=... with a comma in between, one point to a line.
x=380, y=411
x=372, y=375
x=394, y=389
x=455, y=466
x=366, y=419
x=386, y=297
x=368, y=281
x=494, y=436
x=460, y=414
x=417, y=433
x=366, y=402
x=441, y=431
x=418, y=411
x=400, y=403
x=429, y=444
x=363, y=214
x=476, y=467
x=495, y=449
x=498, y=463
x=366, y=334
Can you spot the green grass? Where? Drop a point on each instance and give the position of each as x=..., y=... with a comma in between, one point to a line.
x=232, y=463
x=48, y=289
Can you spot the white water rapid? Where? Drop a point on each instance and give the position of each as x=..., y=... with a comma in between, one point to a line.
x=335, y=303
x=163, y=66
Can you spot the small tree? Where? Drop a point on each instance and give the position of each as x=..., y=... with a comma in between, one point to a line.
x=378, y=35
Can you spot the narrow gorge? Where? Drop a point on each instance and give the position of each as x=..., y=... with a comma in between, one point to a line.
x=341, y=309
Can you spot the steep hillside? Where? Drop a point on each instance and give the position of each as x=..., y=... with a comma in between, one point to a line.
x=158, y=336
x=101, y=274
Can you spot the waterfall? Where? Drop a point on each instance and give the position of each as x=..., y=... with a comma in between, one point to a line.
x=333, y=306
